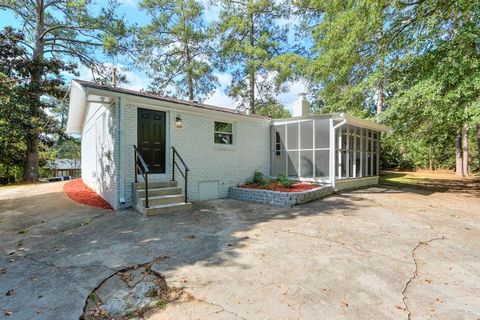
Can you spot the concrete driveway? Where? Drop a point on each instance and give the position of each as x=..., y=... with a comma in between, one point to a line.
x=377, y=253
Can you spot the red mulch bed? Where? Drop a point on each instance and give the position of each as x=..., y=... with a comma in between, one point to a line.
x=275, y=186
x=79, y=192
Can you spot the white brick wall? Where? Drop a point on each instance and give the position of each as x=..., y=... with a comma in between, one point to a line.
x=99, y=151
x=230, y=165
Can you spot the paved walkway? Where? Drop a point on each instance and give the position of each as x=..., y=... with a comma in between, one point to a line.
x=378, y=253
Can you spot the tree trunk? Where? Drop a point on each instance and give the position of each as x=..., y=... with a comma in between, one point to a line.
x=380, y=85
x=189, y=72
x=251, y=71
x=380, y=97
x=31, y=165
x=465, y=149
x=458, y=155
x=478, y=145
x=32, y=157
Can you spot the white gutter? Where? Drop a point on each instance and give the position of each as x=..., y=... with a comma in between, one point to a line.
x=332, y=149
x=121, y=151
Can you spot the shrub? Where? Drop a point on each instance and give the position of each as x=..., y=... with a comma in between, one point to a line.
x=285, y=182
x=265, y=182
x=258, y=177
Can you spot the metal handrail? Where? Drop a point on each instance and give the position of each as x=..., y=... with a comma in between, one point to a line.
x=184, y=174
x=143, y=169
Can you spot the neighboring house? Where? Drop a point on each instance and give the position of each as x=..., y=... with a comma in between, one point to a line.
x=64, y=167
x=222, y=147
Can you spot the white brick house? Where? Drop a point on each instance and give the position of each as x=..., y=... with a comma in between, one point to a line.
x=222, y=147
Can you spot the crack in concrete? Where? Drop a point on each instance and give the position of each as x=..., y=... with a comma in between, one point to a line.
x=222, y=309
x=346, y=245
x=415, y=272
x=53, y=265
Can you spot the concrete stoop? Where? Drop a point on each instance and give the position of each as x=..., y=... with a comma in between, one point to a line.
x=163, y=197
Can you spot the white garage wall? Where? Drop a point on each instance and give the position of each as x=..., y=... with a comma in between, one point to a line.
x=98, y=151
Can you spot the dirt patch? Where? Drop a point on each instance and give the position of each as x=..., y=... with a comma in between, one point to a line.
x=130, y=293
x=81, y=193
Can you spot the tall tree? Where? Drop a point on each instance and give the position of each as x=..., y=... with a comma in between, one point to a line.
x=434, y=77
x=251, y=35
x=18, y=122
x=176, y=48
x=59, y=29
x=419, y=58
x=347, y=59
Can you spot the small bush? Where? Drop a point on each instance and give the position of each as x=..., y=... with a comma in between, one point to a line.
x=258, y=177
x=265, y=182
x=285, y=182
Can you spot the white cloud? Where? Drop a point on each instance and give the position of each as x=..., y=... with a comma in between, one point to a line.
x=211, y=11
x=288, y=98
x=224, y=79
x=136, y=80
x=220, y=99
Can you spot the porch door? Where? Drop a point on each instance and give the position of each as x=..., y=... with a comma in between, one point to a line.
x=151, y=138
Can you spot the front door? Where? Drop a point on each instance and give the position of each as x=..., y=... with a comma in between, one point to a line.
x=151, y=139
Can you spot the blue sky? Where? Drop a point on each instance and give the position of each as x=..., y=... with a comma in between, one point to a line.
x=137, y=80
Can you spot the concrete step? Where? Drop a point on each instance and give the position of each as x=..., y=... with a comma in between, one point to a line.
x=165, y=208
x=159, y=200
x=158, y=192
x=155, y=184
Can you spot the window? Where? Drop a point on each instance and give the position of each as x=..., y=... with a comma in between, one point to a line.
x=223, y=133
x=278, y=144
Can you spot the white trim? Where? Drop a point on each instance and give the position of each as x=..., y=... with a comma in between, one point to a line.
x=121, y=152
x=332, y=146
x=314, y=163
x=354, y=166
x=77, y=108
x=299, y=140
x=332, y=153
x=347, y=154
x=336, y=116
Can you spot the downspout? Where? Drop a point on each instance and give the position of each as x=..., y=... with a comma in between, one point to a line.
x=121, y=151
x=332, y=149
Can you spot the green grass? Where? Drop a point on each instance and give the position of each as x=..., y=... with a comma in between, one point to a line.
x=400, y=179
x=161, y=303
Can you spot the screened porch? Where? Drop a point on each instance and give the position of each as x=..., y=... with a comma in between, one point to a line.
x=325, y=148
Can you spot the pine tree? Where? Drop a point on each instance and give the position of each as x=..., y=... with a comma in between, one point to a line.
x=60, y=29
x=250, y=36
x=19, y=122
x=175, y=49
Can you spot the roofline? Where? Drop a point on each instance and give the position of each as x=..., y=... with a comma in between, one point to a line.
x=93, y=85
x=369, y=124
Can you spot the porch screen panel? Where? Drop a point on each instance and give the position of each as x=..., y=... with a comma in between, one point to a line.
x=322, y=163
x=292, y=136
x=306, y=164
x=306, y=135
x=322, y=134
x=292, y=160
x=356, y=152
x=358, y=163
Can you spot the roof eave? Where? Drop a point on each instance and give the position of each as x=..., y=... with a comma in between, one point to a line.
x=77, y=108
x=365, y=123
